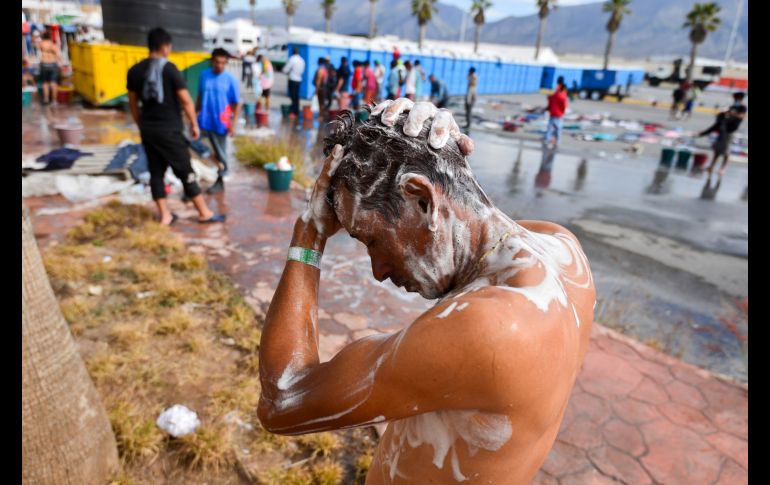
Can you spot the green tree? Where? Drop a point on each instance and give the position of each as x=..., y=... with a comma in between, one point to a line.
x=372, y=10
x=423, y=10
x=221, y=6
x=701, y=20
x=328, y=8
x=291, y=8
x=544, y=7
x=477, y=9
x=617, y=9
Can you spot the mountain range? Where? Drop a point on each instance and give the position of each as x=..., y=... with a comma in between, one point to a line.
x=654, y=27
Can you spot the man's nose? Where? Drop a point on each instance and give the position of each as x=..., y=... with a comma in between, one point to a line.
x=380, y=269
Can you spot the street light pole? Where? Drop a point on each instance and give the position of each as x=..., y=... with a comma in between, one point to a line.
x=731, y=42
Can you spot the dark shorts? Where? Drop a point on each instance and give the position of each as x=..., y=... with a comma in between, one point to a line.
x=49, y=73
x=722, y=144
x=168, y=149
x=266, y=92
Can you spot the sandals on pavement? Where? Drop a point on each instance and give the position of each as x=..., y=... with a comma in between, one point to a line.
x=213, y=219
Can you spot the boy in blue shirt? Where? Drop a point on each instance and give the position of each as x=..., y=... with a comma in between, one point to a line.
x=218, y=106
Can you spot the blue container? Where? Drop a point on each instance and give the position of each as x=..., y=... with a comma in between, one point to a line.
x=248, y=111
x=278, y=180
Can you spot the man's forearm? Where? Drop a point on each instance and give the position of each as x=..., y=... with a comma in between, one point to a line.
x=236, y=113
x=289, y=341
x=189, y=111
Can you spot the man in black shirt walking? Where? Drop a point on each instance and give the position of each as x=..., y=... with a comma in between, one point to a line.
x=725, y=125
x=159, y=85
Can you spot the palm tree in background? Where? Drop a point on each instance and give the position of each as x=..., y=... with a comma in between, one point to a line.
x=544, y=8
x=66, y=436
x=372, y=10
x=423, y=10
x=701, y=20
x=328, y=7
x=221, y=6
x=253, y=5
x=478, y=8
x=291, y=8
x=616, y=8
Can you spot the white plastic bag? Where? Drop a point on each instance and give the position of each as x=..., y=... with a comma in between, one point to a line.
x=178, y=421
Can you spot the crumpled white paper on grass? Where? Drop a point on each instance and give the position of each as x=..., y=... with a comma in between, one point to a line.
x=178, y=421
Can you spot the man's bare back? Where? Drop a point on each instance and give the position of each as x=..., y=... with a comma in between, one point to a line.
x=481, y=445
x=475, y=388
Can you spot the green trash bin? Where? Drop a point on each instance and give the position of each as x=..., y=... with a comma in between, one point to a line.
x=667, y=157
x=362, y=115
x=285, y=110
x=278, y=180
x=26, y=97
x=683, y=159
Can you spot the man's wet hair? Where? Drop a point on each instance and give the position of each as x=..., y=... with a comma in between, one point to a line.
x=377, y=155
x=220, y=52
x=157, y=38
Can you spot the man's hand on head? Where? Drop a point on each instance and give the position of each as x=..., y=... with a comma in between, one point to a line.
x=319, y=213
x=443, y=125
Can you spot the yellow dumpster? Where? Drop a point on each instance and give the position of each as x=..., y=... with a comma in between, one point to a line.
x=99, y=70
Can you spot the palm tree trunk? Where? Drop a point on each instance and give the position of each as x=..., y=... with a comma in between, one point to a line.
x=608, y=49
x=422, y=34
x=289, y=19
x=539, y=37
x=372, y=9
x=328, y=25
x=691, y=67
x=253, y=15
x=476, y=38
x=66, y=436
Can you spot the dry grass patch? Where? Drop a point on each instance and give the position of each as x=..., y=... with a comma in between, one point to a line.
x=258, y=153
x=155, y=334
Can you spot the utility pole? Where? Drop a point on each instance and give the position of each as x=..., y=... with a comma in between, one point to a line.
x=463, y=26
x=731, y=42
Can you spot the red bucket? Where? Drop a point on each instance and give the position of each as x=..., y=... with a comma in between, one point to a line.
x=307, y=112
x=262, y=118
x=699, y=160
x=63, y=96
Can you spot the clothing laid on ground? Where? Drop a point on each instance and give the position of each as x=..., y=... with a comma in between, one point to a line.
x=61, y=158
x=217, y=92
x=165, y=115
x=124, y=154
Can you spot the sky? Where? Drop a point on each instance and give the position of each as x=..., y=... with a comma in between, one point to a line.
x=500, y=8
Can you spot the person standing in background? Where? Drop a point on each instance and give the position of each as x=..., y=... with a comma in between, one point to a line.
x=159, y=85
x=370, y=84
x=218, y=105
x=343, y=76
x=50, y=60
x=247, y=68
x=331, y=85
x=470, y=95
x=357, y=84
x=690, y=97
x=319, y=82
x=439, y=93
x=379, y=73
x=410, y=85
x=266, y=78
x=557, y=106
x=392, y=86
x=294, y=68
x=419, y=80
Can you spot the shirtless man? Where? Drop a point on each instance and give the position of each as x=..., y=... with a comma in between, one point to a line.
x=50, y=59
x=475, y=388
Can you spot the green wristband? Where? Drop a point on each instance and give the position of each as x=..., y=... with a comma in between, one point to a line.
x=304, y=255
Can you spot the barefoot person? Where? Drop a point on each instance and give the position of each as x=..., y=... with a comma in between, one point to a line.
x=159, y=85
x=476, y=387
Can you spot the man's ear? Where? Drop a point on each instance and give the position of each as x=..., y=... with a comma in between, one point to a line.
x=421, y=194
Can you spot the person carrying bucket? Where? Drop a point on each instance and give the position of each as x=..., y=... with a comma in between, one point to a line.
x=218, y=106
